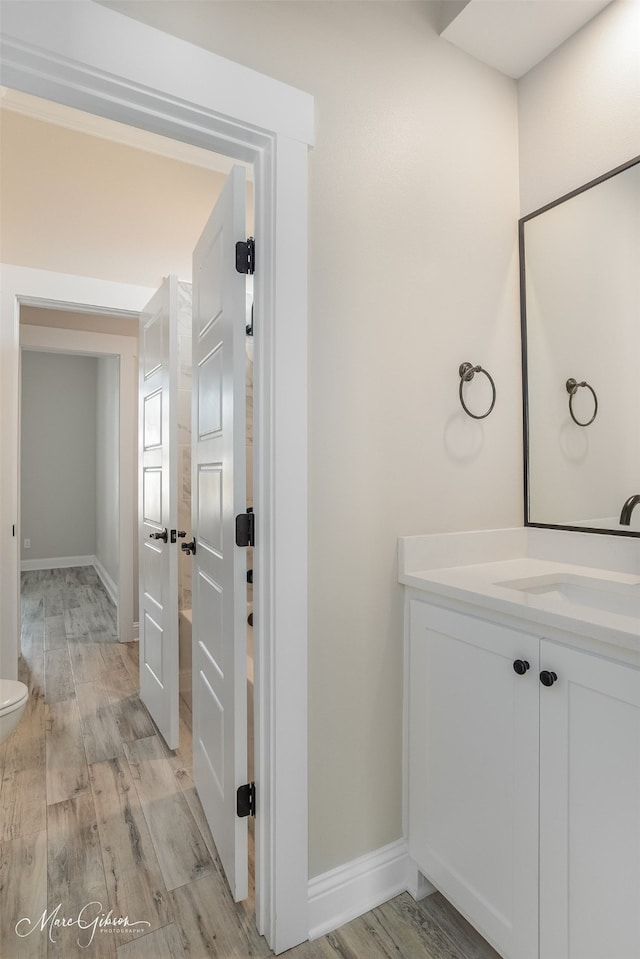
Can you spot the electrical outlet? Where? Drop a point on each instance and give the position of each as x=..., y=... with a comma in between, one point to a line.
x=27, y=544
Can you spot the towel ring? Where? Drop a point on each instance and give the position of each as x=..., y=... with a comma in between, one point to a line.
x=572, y=388
x=467, y=371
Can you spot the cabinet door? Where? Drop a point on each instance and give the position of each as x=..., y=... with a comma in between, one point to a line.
x=589, y=807
x=473, y=771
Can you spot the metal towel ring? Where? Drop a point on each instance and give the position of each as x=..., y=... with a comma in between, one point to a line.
x=467, y=371
x=572, y=388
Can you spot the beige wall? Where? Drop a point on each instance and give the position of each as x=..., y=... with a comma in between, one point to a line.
x=579, y=110
x=83, y=205
x=413, y=269
x=90, y=322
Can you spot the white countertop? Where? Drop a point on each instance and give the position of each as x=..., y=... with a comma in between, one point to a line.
x=479, y=583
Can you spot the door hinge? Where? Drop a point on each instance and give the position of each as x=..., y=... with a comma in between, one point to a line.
x=246, y=256
x=246, y=800
x=245, y=528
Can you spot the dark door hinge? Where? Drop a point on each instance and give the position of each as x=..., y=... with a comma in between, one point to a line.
x=246, y=256
x=246, y=800
x=245, y=528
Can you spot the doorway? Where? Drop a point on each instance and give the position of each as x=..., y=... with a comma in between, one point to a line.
x=228, y=109
x=76, y=483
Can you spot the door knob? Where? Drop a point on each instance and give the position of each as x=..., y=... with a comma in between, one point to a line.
x=547, y=678
x=163, y=536
x=521, y=666
x=189, y=548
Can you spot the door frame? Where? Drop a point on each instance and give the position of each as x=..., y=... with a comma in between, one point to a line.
x=89, y=57
x=124, y=348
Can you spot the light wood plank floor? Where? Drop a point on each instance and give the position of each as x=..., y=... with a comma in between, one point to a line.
x=95, y=809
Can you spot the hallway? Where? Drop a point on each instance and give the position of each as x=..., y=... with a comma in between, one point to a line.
x=96, y=812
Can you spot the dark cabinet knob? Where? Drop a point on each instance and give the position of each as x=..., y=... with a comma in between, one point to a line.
x=189, y=548
x=163, y=536
x=520, y=666
x=547, y=678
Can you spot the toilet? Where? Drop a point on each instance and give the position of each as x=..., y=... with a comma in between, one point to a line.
x=13, y=699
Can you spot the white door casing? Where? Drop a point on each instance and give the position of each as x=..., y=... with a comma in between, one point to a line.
x=218, y=494
x=22, y=285
x=86, y=56
x=158, y=508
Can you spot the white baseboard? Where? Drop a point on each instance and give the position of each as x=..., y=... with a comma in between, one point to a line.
x=58, y=562
x=343, y=894
x=107, y=581
x=134, y=637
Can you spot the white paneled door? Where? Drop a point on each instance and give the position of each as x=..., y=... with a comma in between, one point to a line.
x=218, y=495
x=158, y=509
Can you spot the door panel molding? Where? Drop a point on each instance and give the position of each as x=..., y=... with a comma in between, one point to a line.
x=158, y=507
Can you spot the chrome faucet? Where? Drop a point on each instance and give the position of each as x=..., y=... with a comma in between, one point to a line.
x=627, y=509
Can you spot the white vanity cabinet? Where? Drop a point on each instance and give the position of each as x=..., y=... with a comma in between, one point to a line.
x=473, y=771
x=524, y=799
x=589, y=807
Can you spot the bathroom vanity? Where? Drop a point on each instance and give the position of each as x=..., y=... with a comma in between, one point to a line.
x=522, y=735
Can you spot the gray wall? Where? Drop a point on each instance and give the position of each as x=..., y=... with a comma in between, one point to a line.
x=58, y=470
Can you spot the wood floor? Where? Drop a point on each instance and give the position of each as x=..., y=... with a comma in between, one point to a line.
x=96, y=812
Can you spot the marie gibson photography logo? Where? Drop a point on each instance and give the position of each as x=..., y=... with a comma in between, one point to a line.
x=90, y=919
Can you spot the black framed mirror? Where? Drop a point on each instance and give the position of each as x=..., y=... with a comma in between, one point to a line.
x=580, y=315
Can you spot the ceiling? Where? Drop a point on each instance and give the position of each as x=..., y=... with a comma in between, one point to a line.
x=514, y=35
x=510, y=35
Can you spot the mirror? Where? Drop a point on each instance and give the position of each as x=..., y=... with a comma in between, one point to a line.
x=580, y=305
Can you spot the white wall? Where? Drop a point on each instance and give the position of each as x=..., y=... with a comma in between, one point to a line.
x=413, y=269
x=579, y=110
x=579, y=116
x=583, y=303
x=107, y=465
x=58, y=453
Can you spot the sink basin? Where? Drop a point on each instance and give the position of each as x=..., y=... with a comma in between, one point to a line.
x=623, y=599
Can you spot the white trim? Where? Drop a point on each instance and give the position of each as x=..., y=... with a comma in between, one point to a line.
x=97, y=60
x=55, y=49
x=57, y=562
x=343, y=894
x=108, y=583
x=418, y=885
x=90, y=125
